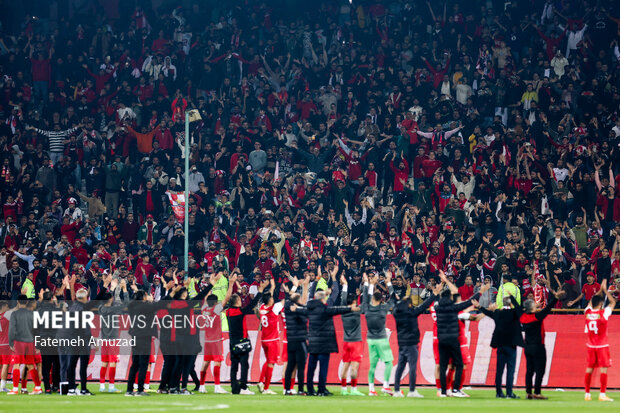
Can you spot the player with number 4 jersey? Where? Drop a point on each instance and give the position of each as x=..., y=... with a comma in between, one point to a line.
x=597, y=320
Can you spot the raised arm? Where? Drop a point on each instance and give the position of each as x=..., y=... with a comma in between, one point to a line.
x=422, y=307
x=248, y=309
x=345, y=290
x=335, y=289
x=231, y=283
x=610, y=297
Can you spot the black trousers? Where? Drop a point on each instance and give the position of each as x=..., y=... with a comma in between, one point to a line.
x=506, y=359
x=406, y=355
x=187, y=365
x=323, y=360
x=50, y=363
x=239, y=361
x=139, y=366
x=64, y=356
x=450, y=350
x=297, y=355
x=536, y=360
x=70, y=371
x=166, y=370
x=177, y=371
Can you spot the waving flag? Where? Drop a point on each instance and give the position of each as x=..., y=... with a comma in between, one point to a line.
x=177, y=201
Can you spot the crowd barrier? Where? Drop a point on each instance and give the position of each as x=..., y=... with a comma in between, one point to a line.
x=564, y=338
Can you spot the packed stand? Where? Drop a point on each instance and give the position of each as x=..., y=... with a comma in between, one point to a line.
x=475, y=138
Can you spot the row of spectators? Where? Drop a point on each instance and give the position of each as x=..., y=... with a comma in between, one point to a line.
x=480, y=139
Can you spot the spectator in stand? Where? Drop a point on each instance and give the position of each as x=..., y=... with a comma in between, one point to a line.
x=588, y=290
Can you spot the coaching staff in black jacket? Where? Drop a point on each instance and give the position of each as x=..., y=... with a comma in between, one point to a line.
x=448, y=332
x=535, y=352
x=408, y=331
x=506, y=337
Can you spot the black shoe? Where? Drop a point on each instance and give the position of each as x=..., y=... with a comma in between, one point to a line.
x=86, y=393
x=288, y=393
x=48, y=391
x=500, y=396
x=162, y=391
x=173, y=391
x=325, y=393
x=129, y=394
x=55, y=389
x=141, y=394
x=311, y=393
x=196, y=389
x=302, y=393
x=512, y=396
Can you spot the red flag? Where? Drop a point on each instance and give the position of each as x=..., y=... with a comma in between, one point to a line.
x=177, y=201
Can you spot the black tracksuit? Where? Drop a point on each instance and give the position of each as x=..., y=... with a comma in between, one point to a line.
x=143, y=331
x=506, y=337
x=323, y=340
x=406, y=318
x=50, y=361
x=535, y=352
x=297, y=337
x=448, y=337
x=237, y=332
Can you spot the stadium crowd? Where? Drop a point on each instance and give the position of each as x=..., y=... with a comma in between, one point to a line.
x=407, y=138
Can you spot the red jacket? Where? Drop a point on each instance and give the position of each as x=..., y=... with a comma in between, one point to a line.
x=430, y=166
x=400, y=175
x=70, y=230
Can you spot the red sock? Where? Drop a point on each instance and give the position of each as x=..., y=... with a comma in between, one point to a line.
x=588, y=381
x=354, y=382
x=25, y=380
x=343, y=382
x=284, y=383
x=112, y=375
x=102, y=373
x=263, y=372
x=216, y=375
x=34, y=375
x=450, y=379
x=203, y=377
x=438, y=383
x=16, y=376
x=462, y=381
x=292, y=382
x=603, y=382
x=147, y=380
x=268, y=374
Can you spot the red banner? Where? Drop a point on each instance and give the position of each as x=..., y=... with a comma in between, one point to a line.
x=565, y=342
x=177, y=202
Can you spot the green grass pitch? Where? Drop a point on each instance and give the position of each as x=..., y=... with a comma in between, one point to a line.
x=481, y=400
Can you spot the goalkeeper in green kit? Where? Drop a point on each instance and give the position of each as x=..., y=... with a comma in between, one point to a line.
x=378, y=344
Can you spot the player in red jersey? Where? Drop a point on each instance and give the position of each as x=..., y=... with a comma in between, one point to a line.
x=435, y=347
x=268, y=314
x=19, y=341
x=213, y=350
x=5, y=351
x=597, y=319
x=32, y=305
x=109, y=352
